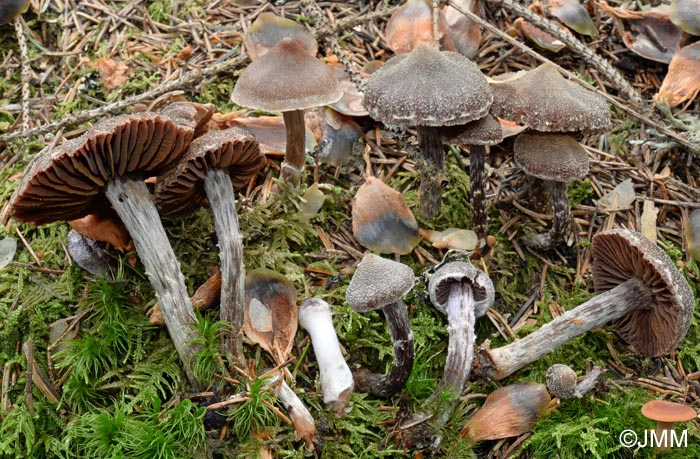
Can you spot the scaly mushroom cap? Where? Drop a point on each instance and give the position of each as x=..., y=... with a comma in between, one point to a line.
x=547, y=102
x=286, y=78
x=561, y=381
x=269, y=29
x=663, y=411
x=658, y=328
x=233, y=149
x=191, y=114
x=461, y=272
x=378, y=282
x=484, y=131
x=67, y=182
x=381, y=220
x=427, y=87
x=550, y=156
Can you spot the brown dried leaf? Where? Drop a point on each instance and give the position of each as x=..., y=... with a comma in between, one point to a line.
x=465, y=34
x=106, y=228
x=113, y=73
x=682, y=82
x=412, y=24
x=648, y=223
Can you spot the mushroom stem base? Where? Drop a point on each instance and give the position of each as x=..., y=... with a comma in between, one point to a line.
x=295, y=156
x=382, y=385
x=430, y=190
x=222, y=199
x=608, y=306
x=134, y=205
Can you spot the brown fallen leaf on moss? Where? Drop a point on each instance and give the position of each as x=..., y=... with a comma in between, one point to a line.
x=412, y=24
x=538, y=36
x=106, y=227
x=207, y=295
x=682, y=82
x=113, y=73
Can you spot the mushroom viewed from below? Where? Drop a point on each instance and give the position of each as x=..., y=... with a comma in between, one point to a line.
x=288, y=80
x=107, y=165
x=428, y=88
x=214, y=166
x=640, y=291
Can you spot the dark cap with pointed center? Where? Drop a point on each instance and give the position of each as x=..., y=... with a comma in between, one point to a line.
x=378, y=282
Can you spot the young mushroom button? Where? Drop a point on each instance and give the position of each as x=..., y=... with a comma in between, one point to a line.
x=640, y=290
x=214, y=165
x=288, y=80
x=110, y=160
x=379, y=283
x=428, y=88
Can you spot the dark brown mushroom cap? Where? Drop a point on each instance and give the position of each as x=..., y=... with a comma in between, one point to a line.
x=561, y=381
x=378, y=282
x=461, y=272
x=550, y=156
x=427, y=87
x=191, y=114
x=663, y=411
x=286, y=78
x=484, y=131
x=658, y=328
x=67, y=182
x=381, y=219
x=547, y=102
x=182, y=187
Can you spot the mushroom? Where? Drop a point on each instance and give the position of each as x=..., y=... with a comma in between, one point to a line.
x=556, y=159
x=381, y=220
x=214, y=165
x=379, y=283
x=304, y=424
x=684, y=13
x=477, y=135
x=692, y=234
x=336, y=377
x=508, y=412
x=666, y=414
x=562, y=381
x=288, y=80
x=463, y=293
x=269, y=29
x=640, y=290
x=428, y=88
x=10, y=9
x=111, y=160
x=547, y=103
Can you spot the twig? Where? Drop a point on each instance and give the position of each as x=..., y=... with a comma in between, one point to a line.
x=354, y=21
x=693, y=147
x=24, y=55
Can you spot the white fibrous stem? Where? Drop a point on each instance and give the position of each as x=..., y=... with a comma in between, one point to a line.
x=606, y=307
x=222, y=199
x=135, y=206
x=588, y=382
x=336, y=378
x=304, y=424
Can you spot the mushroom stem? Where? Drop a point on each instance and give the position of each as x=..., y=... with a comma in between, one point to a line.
x=608, y=306
x=381, y=385
x=560, y=219
x=460, y=352
x=477, y=161
x=588, y=382
x=295, y=157
x=304, y=424
x=540, y=199
x=336, y=377
x=134, y=205
x=431, y=176
x=222, y=200
x=664, y=430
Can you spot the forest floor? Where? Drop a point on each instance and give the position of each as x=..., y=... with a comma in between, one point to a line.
x=117, y=388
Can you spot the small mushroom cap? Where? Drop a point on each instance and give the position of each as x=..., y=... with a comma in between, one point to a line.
x=381, y=220
x=427, y=87
x=561, y=381
x=191, y=114
x=550, y=156
x=286, y=78
x=658, y=328
x=378, y=282
x=546, y=101
x=461, y=272
x=233, y=149
x=10, y=9
x=66, y=183
x=484, y=131
x=269, y=29
x=663, y=411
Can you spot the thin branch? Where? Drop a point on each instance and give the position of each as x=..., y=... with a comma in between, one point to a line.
x=25, y=75
x=691, y=146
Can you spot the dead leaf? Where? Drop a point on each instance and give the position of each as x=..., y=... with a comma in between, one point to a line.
x=682, y=82
x=412, y=24
x=113, y=73
x=573, y=14
x=106, y=228
x=538, y=36
x=648, y=224
x=465, y=34
x=619, y=197
x=692, y=234
x=686, y=15
x=268, y=29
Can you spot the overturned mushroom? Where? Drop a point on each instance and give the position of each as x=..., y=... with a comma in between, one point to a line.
x=562, y=381
x=214, y=165
x=336, y=377
x=640, y=290
x=110, y=160
x=269, y=29
x=379, y=283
